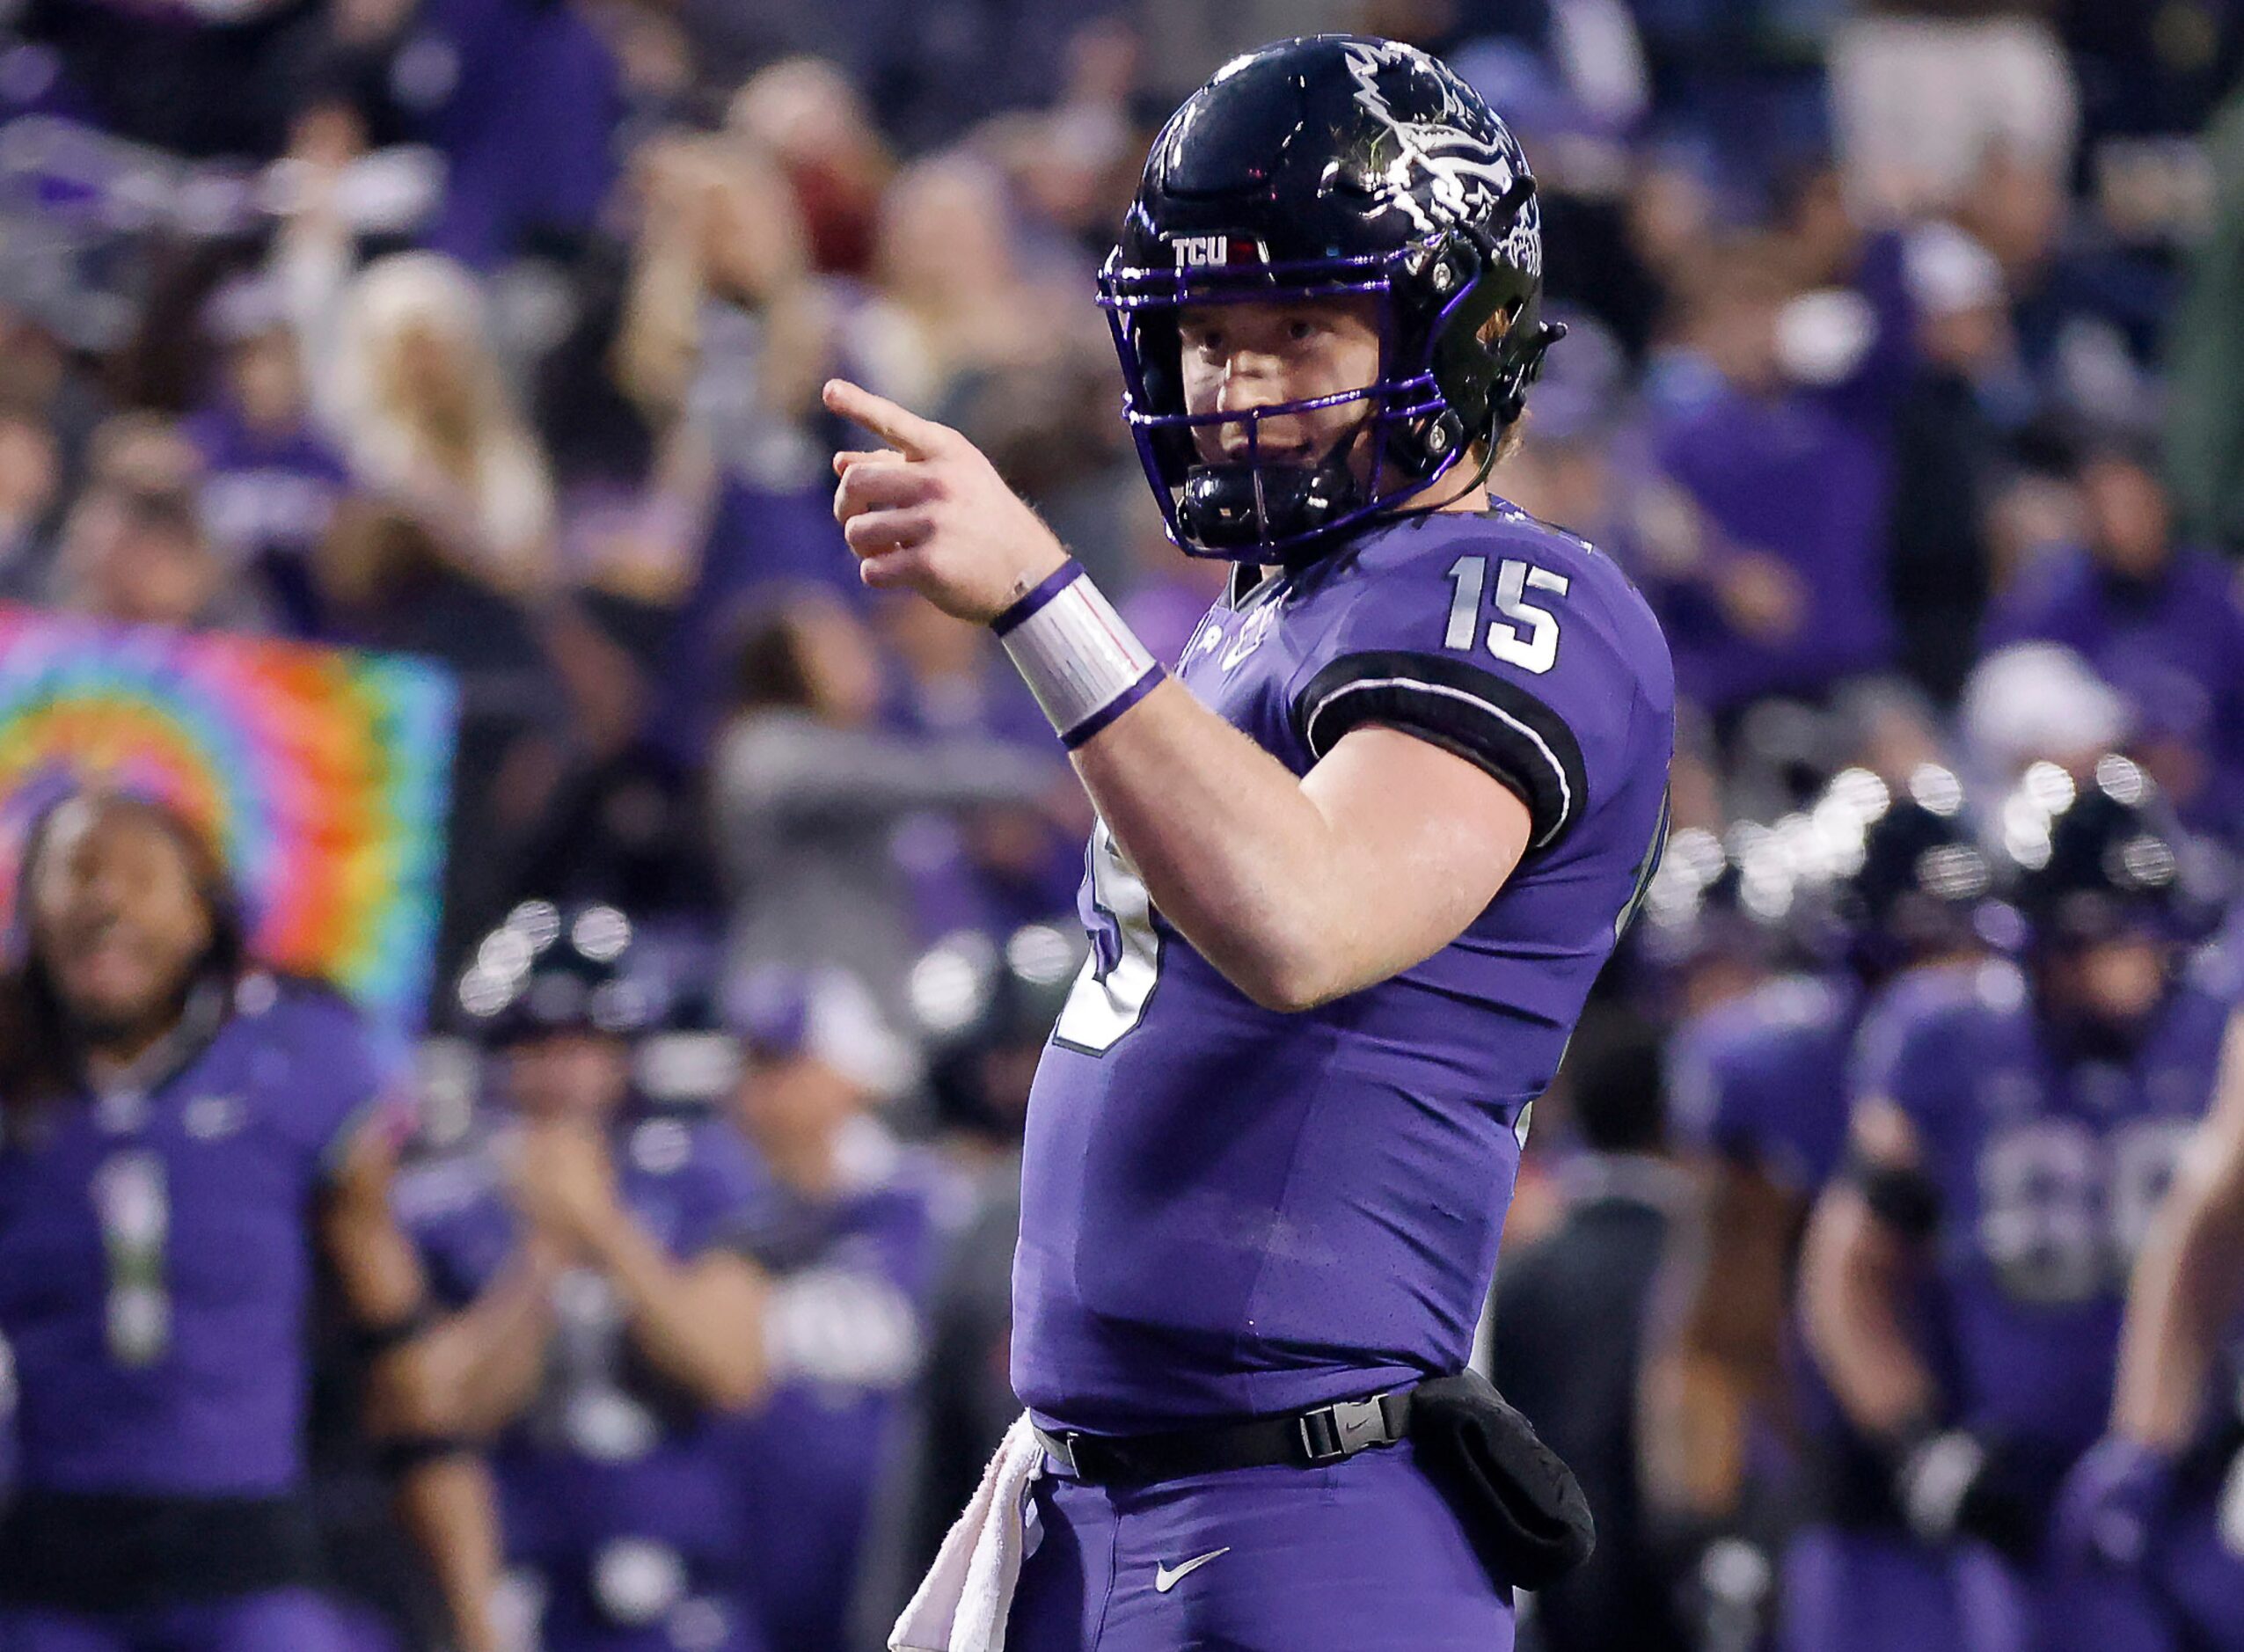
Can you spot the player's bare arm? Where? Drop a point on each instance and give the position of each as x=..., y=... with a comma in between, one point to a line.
x=490, y=1354
x=699, y=1321
x=1298, y=890
x=443, y=1494
x=1854, y=1271
x=2189, y=1277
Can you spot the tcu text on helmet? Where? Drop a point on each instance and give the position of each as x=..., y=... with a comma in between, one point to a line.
x=1198, y=252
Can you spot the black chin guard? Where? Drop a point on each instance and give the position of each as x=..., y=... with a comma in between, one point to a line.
x=1241, y=504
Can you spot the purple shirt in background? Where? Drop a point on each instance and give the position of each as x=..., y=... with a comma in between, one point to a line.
x=2174, y=645
x=1788, y=477
x=1762, y=1079
x=951, y=888
x=1227, y=1211
x=609, y=1450
x=757, y=542
x=179, y=1369
x=524, y=100
x=851, y=1279
x=266, y=499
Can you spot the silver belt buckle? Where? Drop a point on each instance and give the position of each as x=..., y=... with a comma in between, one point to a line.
x=1059, y=1448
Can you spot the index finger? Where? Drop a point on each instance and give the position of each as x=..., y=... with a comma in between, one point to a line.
x=914, y=437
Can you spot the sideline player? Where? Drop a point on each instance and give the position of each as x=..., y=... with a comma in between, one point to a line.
x=2016, y=1129
x=599, y=1322
x=187, y=1140
x=1760, y=1083
x=848, y=1232
x=2160, y=1499
x=1353, y=873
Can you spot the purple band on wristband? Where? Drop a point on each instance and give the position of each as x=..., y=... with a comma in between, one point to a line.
x=1050, y=585
x=1113, y=708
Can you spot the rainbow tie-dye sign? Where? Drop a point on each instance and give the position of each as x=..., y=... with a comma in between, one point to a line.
x=322, y=774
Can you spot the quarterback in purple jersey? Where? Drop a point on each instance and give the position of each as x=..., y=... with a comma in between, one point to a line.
x=1759, y=1086
x=188, y=1143
x=1356, y=869
x=2017, y=1127
x=600, y=1319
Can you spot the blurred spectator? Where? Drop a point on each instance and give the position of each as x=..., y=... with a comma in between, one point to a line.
x=29, y=488
x=2205, y=356
x=2162, y=622
x=952, y=300
x=811, y=121
x=1785, y=592
x=848, y=1233
x=1000, y=868
x=1922, y=90
x=727, y=336
x=522, y=101
x=806, y=795
x=418, y=402
x=1950, y=438
x=271, y=481
x=138, y=555
x=385, y=582
x=726, y=329
x=1074, y=165
x=1569, y=1315
x=197, y=80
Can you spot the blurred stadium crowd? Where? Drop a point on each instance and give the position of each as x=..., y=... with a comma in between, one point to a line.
x=1902, y=377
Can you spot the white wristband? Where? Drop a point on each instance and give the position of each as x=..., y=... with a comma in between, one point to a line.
x=1078, y=657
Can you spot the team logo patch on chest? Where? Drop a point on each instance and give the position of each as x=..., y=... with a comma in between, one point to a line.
x=1250, y=636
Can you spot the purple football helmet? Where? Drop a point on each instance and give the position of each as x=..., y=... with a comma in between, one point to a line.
x=1317, y=168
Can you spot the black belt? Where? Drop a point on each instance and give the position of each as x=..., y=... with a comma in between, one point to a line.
x=1302, y=1439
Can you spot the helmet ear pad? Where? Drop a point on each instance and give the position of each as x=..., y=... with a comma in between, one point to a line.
x=1483, y=379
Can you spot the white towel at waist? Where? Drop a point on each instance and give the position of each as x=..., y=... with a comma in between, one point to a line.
x=961, y=1604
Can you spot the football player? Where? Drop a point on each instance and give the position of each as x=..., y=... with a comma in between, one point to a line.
x=1759, y=1085
x=1355, y=868
x=2016, y=1127
x=188, y=1140
x=2160, y=1499
x=597, y=1321
x=848, y=1232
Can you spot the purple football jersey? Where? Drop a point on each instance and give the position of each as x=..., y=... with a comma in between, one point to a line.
x=1228, y=1210
x=609, y=1450
x=850, y=1277
x=1762, y=1079
x=2049, y=1170
x=156, y=1254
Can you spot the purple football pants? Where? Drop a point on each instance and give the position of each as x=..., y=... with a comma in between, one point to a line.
x=1362, y=1556
x=1852, y=1590
x=278, y=1620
